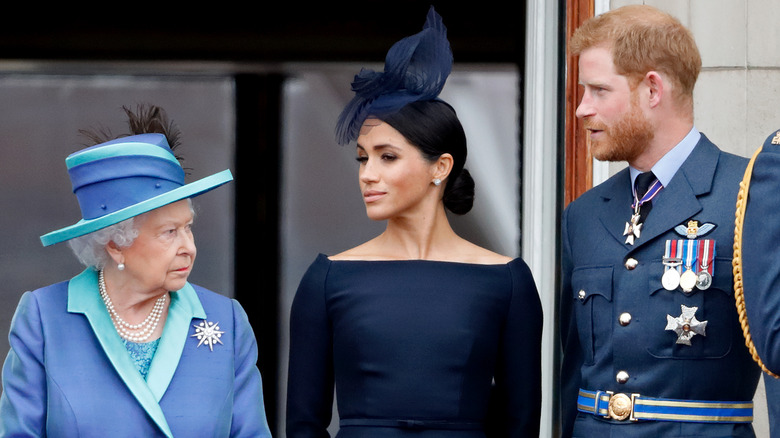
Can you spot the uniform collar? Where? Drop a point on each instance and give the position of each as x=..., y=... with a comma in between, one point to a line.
x=678, y=203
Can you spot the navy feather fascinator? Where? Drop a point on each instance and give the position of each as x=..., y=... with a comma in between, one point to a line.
x=416, y=69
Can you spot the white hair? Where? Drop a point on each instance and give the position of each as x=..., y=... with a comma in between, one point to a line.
x=90, y=248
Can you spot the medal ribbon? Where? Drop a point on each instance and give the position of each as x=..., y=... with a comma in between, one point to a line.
x=673, y=250
x=707, y=255
x=668, y=253
x=655, y=187
x=689, y=253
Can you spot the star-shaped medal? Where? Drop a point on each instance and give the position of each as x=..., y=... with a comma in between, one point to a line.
x=633, y=229
x=686, y=325
x=208, y=333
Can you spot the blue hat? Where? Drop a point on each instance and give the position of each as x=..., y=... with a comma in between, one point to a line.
x=123, y=178
x=416, y=68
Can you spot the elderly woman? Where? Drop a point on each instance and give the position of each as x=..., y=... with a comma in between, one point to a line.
x=129, y=348
x=421, y=332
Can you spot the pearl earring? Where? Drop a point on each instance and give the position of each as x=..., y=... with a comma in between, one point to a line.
x=436, y=182
x=121, y=266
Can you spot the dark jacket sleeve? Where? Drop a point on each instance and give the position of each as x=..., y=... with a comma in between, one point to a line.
x=310, y=378
x=515, y=405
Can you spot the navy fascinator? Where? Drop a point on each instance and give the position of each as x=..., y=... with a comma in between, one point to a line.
x=416, y=69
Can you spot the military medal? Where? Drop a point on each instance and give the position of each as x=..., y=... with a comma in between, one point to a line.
x=671, y=278
x=706, y=257
x=633, y=228
x=700, y=255
x=703, y=279
x=688, y=277
x=688, y=280
x=672, y=263
x=686, y=325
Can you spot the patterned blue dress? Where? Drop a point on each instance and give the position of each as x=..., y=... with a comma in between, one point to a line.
x=142, y=354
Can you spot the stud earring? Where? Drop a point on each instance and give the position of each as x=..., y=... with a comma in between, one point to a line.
x=436, y=182
x=121, y=266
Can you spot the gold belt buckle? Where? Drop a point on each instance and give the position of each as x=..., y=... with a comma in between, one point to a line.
x=621, y=406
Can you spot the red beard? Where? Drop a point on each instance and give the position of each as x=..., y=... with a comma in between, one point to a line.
x=623, y=141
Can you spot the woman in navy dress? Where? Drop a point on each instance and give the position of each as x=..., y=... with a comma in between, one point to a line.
x=419, y=331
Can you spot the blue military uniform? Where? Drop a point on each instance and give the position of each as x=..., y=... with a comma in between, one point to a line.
x=758, y=240
x=641, y=356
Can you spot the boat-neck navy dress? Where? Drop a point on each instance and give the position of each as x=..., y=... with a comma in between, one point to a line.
x=416, y=348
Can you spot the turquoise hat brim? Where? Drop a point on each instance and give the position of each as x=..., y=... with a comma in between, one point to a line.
x=190, y=190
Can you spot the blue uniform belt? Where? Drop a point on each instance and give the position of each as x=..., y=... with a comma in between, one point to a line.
x=635, y=407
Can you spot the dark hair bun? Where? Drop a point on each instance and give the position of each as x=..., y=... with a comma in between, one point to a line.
x=459, y=193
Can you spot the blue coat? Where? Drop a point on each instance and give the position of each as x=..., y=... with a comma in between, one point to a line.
x=614, y=309
x=68, y=373
x=760, y=267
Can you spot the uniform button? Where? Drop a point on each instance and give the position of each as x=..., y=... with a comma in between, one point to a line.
x=581, y=294
x=622, y=377
x=624, y=319
x=631, y=263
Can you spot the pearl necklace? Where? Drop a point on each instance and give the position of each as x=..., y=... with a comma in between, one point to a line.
x=132, y=332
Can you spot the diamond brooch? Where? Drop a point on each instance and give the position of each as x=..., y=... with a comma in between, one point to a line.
x=208, y=333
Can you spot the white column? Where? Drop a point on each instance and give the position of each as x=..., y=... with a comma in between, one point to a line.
x=539, y=190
